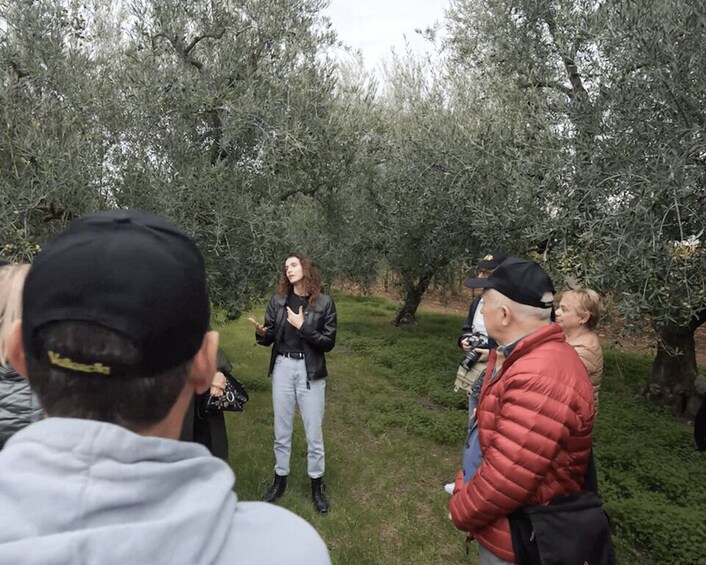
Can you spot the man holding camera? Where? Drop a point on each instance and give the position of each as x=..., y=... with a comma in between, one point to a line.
x=476, y=343
x=535, y=415
x=474, y=336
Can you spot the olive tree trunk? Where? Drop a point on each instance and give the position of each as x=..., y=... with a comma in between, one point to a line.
x=674, y=370
x=413, y=294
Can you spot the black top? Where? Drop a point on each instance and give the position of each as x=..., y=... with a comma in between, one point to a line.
x=291, y=338
x=318, y=332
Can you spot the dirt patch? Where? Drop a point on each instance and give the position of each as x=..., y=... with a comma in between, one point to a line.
x=429, y=404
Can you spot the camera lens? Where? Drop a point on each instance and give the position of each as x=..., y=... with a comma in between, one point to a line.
x=470, y=359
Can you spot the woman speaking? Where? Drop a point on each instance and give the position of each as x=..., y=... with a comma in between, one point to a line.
x=301, y=323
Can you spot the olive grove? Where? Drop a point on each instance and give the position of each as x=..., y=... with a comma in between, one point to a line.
x=572, y=131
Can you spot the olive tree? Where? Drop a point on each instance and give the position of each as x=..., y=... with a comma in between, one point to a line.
x=212, y=113
x=51, y=143
x=654, y=180
x=225, y=118
x=444, y=194
x=621, y=83
x=339, y=225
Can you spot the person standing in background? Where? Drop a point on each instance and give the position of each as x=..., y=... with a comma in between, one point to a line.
x=209, y=429
x=475, y=326
x=474, y=321
x=19, y=407
x=578, y=314
x=473, y=331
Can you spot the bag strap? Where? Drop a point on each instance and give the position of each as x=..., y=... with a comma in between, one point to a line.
x=578, y=501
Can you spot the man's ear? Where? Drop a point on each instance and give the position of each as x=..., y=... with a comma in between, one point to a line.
x=505, y=315
x=16, y=350
x=203, y=366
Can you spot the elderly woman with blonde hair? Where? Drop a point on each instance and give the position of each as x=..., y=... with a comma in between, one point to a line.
x=19, y=407
x=578, y=314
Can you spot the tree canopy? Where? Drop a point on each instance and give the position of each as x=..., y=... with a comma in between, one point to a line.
x=569, y=131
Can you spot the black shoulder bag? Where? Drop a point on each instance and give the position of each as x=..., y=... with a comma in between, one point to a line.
x=570, y=529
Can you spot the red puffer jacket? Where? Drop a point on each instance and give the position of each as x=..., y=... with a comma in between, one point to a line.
x=534, y=426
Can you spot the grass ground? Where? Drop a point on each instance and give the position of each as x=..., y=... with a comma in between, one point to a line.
x=394, y=430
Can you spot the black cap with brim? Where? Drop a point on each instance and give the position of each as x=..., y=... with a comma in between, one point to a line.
x=128, y=271
x=521, y=280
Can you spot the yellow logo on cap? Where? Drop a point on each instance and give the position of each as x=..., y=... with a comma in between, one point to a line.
x=66, y=363
x=488, y=258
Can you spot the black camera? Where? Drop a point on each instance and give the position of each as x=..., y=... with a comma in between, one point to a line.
x=475, y=340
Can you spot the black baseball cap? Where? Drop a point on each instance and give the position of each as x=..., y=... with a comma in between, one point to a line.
x=491, y=260
x=520, y=280
x=129, y=271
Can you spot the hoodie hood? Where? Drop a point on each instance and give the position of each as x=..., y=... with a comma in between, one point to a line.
x=85, y=492
x=72, y=488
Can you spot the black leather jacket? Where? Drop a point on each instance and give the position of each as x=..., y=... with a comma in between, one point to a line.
x=318, y=332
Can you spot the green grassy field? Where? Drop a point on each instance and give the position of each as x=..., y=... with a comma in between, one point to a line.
x=394, y=429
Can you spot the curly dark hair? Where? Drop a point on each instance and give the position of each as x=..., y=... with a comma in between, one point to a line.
x=311, y=279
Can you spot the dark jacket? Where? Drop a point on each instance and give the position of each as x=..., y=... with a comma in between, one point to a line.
x=19, y=406
x=318, y=332
x=208, y=429
x=468, y=326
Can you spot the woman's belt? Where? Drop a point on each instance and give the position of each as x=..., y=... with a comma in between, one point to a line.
x=293, y=354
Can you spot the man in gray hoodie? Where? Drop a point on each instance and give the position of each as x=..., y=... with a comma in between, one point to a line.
x=114, y=340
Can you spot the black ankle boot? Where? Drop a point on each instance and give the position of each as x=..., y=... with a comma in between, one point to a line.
x=321, y=504
x=277, y=488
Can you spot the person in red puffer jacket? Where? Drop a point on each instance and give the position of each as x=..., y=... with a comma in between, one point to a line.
x=535, y=413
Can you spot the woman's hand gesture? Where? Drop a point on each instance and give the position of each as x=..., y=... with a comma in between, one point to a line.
x=259, y=328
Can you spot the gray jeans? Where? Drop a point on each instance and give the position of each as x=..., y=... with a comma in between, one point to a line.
x=488, y=558
x=289, y=390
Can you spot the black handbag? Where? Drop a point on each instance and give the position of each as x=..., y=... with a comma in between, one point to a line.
x=570, y=529
x=233, y=399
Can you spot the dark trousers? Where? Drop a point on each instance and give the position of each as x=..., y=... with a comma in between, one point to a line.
x=207, y=429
